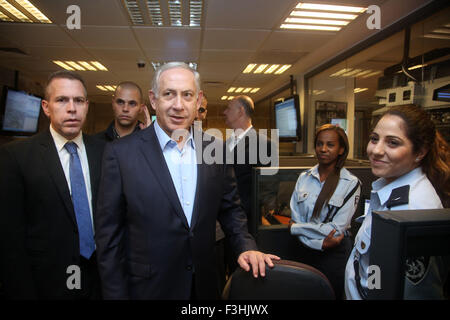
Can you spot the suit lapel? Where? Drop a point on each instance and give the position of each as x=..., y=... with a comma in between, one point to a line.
x=153, y=154
x=53, y=165
x=94, y=155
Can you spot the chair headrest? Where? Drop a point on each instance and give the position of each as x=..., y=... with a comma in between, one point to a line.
x=287, y=280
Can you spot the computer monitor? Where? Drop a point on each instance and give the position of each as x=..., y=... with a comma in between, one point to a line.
x=19, y=112
x=287, y=118
x=397, y=235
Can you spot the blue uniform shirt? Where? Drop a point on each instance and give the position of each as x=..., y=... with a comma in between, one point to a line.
x=311, y=232
x=421, y=196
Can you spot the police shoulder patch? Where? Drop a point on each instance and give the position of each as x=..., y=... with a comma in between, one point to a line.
x=416, y=268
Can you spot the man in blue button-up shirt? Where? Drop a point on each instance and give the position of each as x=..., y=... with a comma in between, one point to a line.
x=155, y=233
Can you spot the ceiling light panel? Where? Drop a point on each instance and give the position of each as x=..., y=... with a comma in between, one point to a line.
x=157, y=64
x=175, y=13
x=81, y=65
x=155, y=12
x=134, y=12
x=196, y=8
x=18, y=15
x=320, y=17
x=35, y=12
x=266, y=68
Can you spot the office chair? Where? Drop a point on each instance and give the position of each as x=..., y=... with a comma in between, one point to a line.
x=287, y=280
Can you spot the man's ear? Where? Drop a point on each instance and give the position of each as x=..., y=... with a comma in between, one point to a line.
x=152, y=98
x=44, y=105
x=199, y=99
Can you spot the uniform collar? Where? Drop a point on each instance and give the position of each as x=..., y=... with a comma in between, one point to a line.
x=384, y=189
x=344, y=174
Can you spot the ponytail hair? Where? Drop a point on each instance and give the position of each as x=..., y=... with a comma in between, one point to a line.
x=333, y=178
x=422, y=133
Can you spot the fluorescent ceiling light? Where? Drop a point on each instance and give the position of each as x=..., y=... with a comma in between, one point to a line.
x=4, y=17
x=249, y=68
x=87, y=65
x=317, y=21
x=195, y=16
x=14, y=11
x=110, y=88
x=81, y=65
x=351, y=73
x=437, y=36
x=314, y=14
x=442, y=30
x=283, y=69
x=155, y=12
x=157, y=64
x=326, y=7
x=272, y=68
x=35, y=12
x=358, y=90
x=101, y=88
x=247, y=90
x=98, y=65
x=224, y=98
x=175, y=13
x=231, y=89
x=340, y=72
x=75, y=65
x=309, y=27
x=63, y=65
x=260, y=68
x=134, y=12
x=362, y=73
x=240, y=89
x=254, y=90
x=371, y=74
x=230, y=97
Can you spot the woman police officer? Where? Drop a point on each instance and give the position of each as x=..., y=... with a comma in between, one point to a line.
x=322, y=206
x=412, y=162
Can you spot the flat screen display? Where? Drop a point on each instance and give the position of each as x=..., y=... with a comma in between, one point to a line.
x=21, y=112
x=287, y=118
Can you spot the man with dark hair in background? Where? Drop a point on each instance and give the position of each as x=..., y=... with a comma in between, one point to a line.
x=48, y=190
x=127, y=104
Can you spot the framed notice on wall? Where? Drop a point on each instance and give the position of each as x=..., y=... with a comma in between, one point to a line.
x=331, y=112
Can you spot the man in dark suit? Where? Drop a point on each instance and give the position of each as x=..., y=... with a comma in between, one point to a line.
x=159, y=201
x=46, y=229
x=243, y=149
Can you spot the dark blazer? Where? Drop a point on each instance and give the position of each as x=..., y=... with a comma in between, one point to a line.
x=243, y=170
x=145, y=248
x=38, y=229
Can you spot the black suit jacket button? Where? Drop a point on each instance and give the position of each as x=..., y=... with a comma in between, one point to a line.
x=189, y=267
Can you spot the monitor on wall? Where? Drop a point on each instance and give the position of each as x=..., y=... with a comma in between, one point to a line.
x=19, y=112
x=287, y=118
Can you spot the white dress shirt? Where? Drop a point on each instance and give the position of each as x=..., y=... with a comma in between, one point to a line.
x=64, y=157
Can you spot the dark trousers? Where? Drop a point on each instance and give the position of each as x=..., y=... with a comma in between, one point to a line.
x=330, y=262
x=90, y=280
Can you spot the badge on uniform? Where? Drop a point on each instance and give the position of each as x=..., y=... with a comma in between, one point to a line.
x=416, y=268
x=398, y=197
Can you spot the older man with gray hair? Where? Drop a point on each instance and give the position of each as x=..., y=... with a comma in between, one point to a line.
x=155, y=236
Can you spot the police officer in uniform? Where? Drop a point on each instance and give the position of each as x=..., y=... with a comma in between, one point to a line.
x=401, y=150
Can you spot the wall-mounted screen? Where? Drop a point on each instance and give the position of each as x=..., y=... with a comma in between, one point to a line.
x=287, y=118
x=19, y=112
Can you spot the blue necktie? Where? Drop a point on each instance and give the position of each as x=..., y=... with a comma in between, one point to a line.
x=80, y=202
